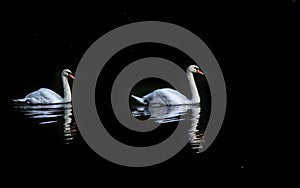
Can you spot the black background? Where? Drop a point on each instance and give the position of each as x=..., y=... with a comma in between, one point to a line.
x=254, y=43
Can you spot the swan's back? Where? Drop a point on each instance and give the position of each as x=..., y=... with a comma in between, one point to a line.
x=43, y=96
x=168, y=96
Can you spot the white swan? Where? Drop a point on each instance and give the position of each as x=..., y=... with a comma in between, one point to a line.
x=169, y=96
x=47, y=96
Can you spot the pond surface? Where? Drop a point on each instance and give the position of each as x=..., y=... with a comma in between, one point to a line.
x=56, y=115
x=60, y=119
x=188, y=115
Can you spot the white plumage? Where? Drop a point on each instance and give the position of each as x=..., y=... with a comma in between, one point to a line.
x=47, y=96
x=169, y=96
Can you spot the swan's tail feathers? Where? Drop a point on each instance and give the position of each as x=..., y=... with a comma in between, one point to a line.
x=19, y=100
x=140, y=100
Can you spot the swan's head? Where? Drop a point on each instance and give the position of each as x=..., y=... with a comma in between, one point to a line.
x=194, y=69
x=67, y=73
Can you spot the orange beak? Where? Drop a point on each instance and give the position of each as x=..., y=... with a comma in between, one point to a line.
x=199, y=71
x=71, y=76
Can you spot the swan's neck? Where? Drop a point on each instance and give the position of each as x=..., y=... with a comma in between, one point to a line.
x=193, y=87
x=67, y=90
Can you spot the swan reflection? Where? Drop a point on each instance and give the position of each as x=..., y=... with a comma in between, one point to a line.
x=61, y=114
x=164, y=114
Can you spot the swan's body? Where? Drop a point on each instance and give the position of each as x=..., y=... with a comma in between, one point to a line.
x=169, y=96
x=47, y=96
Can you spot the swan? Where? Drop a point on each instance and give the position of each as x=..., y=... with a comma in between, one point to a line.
x=169, y=96
x=47, y=96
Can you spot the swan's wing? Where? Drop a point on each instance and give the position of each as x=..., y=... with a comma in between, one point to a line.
x=169, y=96
x=43, y=96
x=48, y=93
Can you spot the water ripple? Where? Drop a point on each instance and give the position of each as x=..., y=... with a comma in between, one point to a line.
x=55, y=114
x=167, y=114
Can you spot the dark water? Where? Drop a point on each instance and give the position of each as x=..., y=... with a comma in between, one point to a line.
x=45, y=138
x=188, y=115
x=255, y=45
x=59, y=119
x=57, y=115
